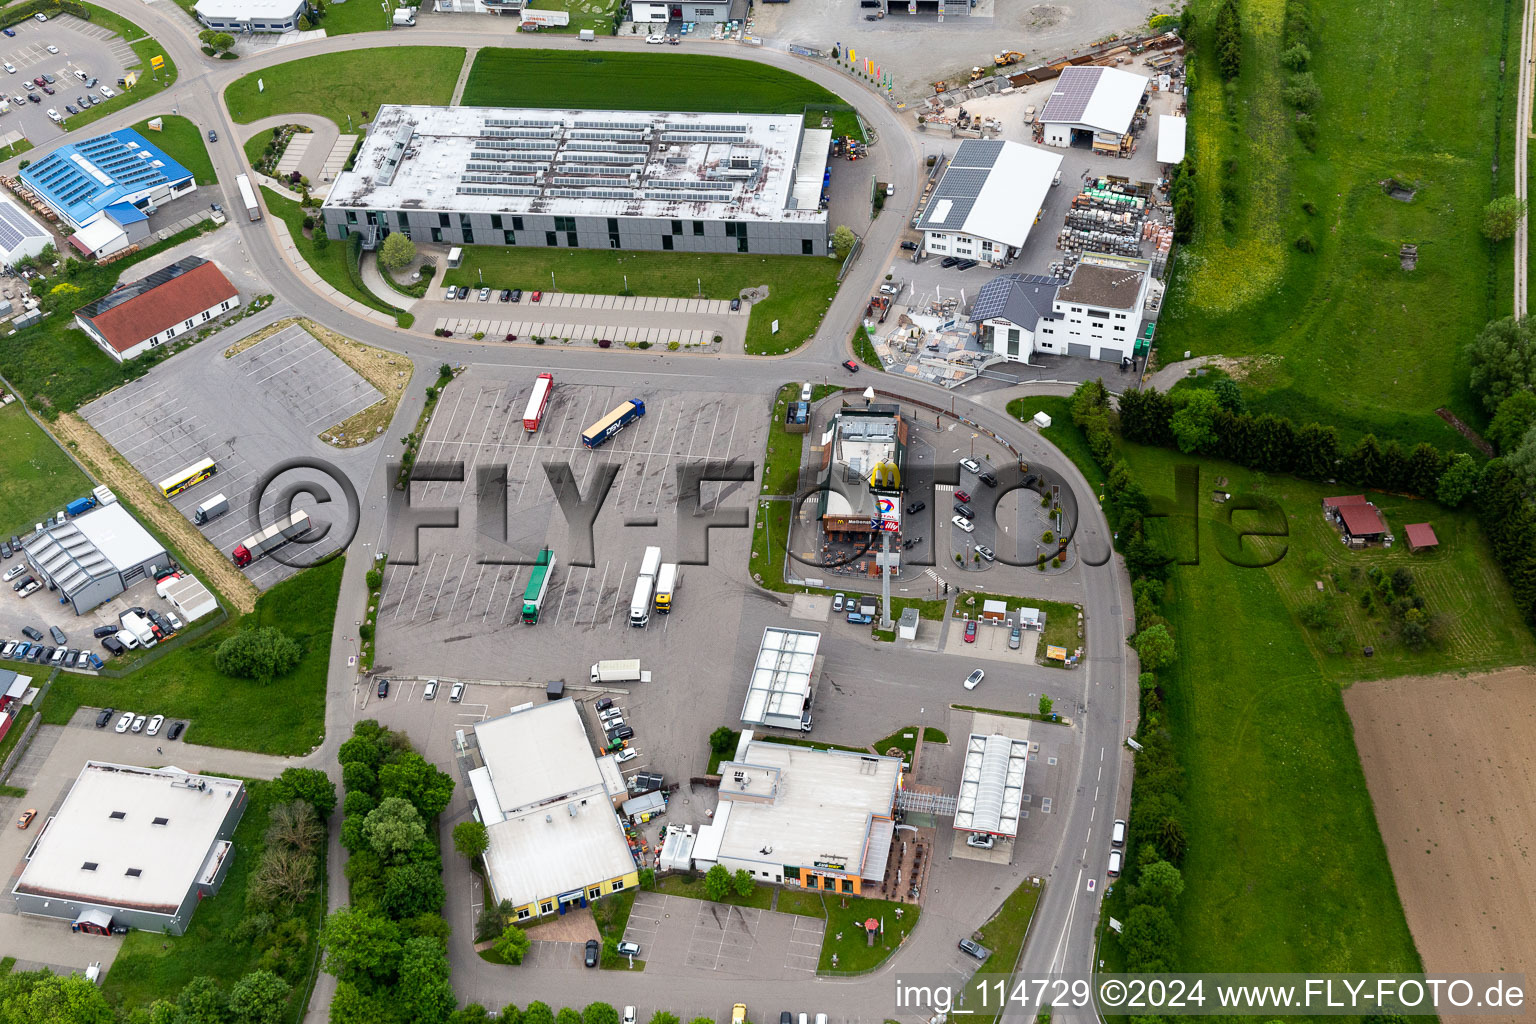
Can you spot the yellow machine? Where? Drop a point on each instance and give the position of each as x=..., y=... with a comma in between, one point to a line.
x=977, y=74
x=1002, y=60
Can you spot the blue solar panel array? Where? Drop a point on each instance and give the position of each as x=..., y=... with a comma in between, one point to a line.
x=16, y=227
x=132, y=166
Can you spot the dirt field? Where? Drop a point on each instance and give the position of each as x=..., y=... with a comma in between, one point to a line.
x=1451, y=765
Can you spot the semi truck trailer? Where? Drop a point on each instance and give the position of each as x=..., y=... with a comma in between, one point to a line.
x=666, y=586
x=645, y=584
x=622, y=671
x=622, y=416
x=270, y=539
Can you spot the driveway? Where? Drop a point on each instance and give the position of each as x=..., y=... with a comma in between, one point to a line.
x=685, y=936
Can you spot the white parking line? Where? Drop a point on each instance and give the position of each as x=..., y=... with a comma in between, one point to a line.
x=617, y=593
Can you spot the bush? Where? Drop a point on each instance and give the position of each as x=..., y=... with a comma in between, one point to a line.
x=1305, y=244
x=374, y=579
x=263, y=654
x=1296, y=58
x=1306, y=131
x=1302, y=92
x=1502, y=216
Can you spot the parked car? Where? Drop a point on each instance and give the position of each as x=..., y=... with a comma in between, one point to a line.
x=70, y=658
x=517, y=295
x=106, y=90
x=963, y=496
x=30, y=633
x=966, y=264
x=52, y=49
x=604, y=703
x=1014, y=635
x=9, y=649
x=963, y=523
x=33, y=97
x=964, y=511
x=975, y=949
x=450, y=293
x=48, y=79
x=10, y=68
x=970, y=464
x=970, y=632
x=14, y=571
x=987, y=477
x=124, y=722
x=974, y=679
x=40, y=17
x=31, y=588
x=916, y=507
x=105, y=717
x=986, y=553
x=58, y=635
x=535, y=297
x=626, y=755
x=40, y=653
x=457, y=693
x=383, y=687
x=629, y=949
x=93, y=661
x=735, y=305
x=38, y=80
x=10, y=32
x=980, y=842
x=837, y=602
x=623, y=732
x=655, y=39
x=629, y=1011
x=80, y=74
x=430, y=691
x=173, y=620
x=70, y=108
x=138, y=724
x=592, y=950
x=485, y=294
x=21, y=652
x=949, y=261
x=154, y=725
x=506, y=295
x=113, y=645
x=850, y=366
x=175, y=732
x=463, y=292
x=26, y=817
x=909, y=246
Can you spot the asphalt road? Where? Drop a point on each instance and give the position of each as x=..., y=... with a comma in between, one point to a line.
x=1063, y=932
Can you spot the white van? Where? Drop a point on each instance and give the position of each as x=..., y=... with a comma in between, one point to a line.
x=805, y=392
x=1117, y=833
x=1114, y=863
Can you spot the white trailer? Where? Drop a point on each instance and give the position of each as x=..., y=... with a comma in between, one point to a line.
x=640, y=604
x=624, y=670
x=248, y=197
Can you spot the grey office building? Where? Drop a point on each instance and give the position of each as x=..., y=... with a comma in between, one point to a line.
x=587, y=180
x=96, y=556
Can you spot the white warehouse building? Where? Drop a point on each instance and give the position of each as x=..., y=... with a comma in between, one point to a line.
x=1096, y=314
x=236, y=16
x=988, y=200
x=1093, y=107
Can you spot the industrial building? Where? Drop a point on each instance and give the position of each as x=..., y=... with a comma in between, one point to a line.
x=1093, y=108
x=547, y=803
x=783, y=680
x=659, y=12
x=1171, y=133
x=1096, y=314
x=153, y=310
x=132, y=848
x=95, y=556
x=236, y=16
x=189, y=597
x=121, y=172
x=21, y=235
x=1009, y=310
x=987, y=200
x=992, y=785
x=821, y=819
x=863, y=457
x=587, y=180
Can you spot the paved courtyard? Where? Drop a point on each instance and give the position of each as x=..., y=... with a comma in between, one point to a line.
x=681, y=935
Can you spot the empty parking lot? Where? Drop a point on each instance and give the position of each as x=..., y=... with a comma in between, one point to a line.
x=247, y=413
x=681, y=933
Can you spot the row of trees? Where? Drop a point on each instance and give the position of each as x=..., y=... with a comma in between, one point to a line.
x=388, y=949
x=1301, y=91
x=1211, y=422
x=1229, y=39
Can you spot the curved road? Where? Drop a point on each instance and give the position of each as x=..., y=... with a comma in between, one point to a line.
x=1062, y=936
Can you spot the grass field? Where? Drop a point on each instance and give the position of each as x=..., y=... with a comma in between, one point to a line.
x=183, y=142
x=781, y=460
x=1061, y=433
x=799, y=287
x=1005, y=932
x=602, y=80
x=286, y=716
x=865, y=350
x=1348, y=337
x=151, y=966
x=350, y=18
x=150, y=81
x=800, y=901
x=39, y=477
x=846, y=916
x=349, y=84
x=596, y=15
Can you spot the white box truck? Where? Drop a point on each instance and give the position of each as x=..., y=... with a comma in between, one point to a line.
x=645, y=584
x=405, y=15
x=134, y=624
x=626, y=670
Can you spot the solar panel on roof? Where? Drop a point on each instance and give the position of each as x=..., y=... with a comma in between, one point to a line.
x=1069, y=101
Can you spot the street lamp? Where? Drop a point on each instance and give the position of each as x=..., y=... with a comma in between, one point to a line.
x=389, y=22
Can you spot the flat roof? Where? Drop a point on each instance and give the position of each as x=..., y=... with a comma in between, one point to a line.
x=1112, y=282
x=158, y=823
x=81, y=179
x=811, y=167
x=246, y=10
x=992, y=784
x=17, y=226
x=992, y=189
x=781, y=674
x=1096, y=98
x=803, y=807
x=118, y=536
x=545, y=803
x=1170, y=138
x=595, y=163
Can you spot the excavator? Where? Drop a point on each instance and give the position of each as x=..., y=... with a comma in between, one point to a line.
x=1002, y=60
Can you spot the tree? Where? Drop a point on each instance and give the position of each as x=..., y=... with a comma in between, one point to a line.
x=38, y=997
x=743, y=883
x=717, y=883
x=361, y=946
x=1229, y=39
x=304, y=23
x=474, y=1013
x=1193, y=423
x=296, y=826
x=414, y=779
x=1426, y=463
x=423, y=986
x=723, y=740
x=1458, y=481
x=1503, y=361
x=1363, y=463
x=1317, y=451
x=470, y=838
x=365, y=745
x=1228, y=395
x=843, y=240
x=663, y=1017
x=1089, y=399
x=393, y=828
x=1523, y=462
x=284, y=878
x=411, y=889
x=1515, y=415
x=1154, y=646
x=260, y=997
x=262, y=654
x=206, y=37
x=359, y=777
x=201, y=1002
x=222, y=41
x=1502, y=216
x=512, y=945
x=1160, y=883
x=1046, y=704
x=1148, y=939
x=539, y=1013
x=311, y=785
x=350, y=1005
x=567, y=1016
x=396, y=252
x=599, y=1013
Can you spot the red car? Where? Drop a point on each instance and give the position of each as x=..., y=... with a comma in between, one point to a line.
x=962, y=497
x=970, y=632
x=536, y=296
x=850, y=366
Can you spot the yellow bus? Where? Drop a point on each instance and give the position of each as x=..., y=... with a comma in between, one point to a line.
x=193, y=474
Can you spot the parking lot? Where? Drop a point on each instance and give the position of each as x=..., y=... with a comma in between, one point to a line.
x=450, y=598
x=96, y=50
x=714, y=938
x=247, y=413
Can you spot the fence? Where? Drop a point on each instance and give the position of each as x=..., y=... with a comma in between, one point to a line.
x=160, y=650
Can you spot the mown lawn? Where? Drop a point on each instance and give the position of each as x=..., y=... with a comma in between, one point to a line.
x=604, y=80
x=799, y=287
x=800, y=901
x=845, y=936
x=39, y=478
x=1061, y=433
x=349, y=84
x=781, y=460
x=151, y=966
x=1343, y=335
x=596, y=15
x=679, y=885
x=183, y=142
x=331, y=262
x=286, y=716
x=1005, y=932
